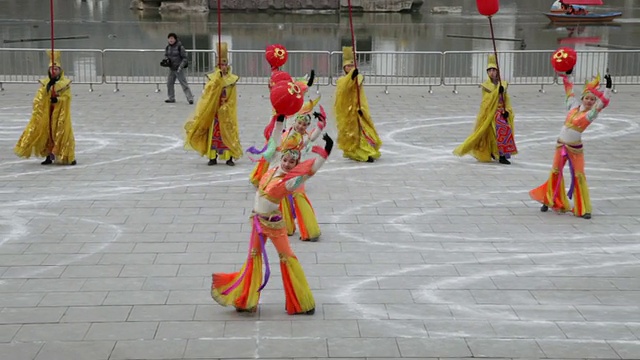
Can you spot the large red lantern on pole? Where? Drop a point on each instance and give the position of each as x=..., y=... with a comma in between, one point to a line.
x=276, y=55
x=286, y=98
x=488, y=7
x=564, y=59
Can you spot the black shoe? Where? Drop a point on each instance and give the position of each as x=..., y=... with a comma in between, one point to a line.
x=47, y=161
x=190, y=102
x=503, y=160
x=586, y=216
x=169, y=101
x=73, y=163
x=310, y=312
x=544, y=208
x=230, y=162
x=212, y=162
x=252, y=310
x=370, y=159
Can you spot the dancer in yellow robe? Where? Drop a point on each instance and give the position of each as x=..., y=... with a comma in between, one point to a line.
x=49, y=133
x=212, y=130
x=494, y=134
x=357, y=136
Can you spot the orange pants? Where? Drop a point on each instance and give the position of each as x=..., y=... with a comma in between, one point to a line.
x=242, y=289
x=552, y=193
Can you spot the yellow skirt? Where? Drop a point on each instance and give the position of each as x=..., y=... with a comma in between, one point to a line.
x=297, y=208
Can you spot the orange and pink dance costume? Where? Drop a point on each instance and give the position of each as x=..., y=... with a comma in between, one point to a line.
x=242, y=289
x=296, y=207
x=569, y=149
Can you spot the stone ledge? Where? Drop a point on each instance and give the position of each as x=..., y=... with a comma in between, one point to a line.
x=298, y=6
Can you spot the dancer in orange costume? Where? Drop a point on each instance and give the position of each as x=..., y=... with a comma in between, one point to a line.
x=242, y=289
x=296, y=207
x=569, y=149
x=304, y=84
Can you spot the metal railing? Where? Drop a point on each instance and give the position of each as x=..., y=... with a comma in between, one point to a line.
x=387, y=69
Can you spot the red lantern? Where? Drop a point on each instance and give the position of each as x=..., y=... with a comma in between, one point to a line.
x=564, y=59
x=278, y=76
x=488, y=7
x=286, y=98
x=276, y=55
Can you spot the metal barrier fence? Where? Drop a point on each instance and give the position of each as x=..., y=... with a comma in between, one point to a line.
x=29, y=65
x=387, y=69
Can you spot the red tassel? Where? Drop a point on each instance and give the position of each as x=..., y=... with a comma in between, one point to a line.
x=268, y=130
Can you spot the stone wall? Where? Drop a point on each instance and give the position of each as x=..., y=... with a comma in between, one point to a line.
x=381, y=5
x=276, y=5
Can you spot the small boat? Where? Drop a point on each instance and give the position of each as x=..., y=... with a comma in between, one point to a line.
x=573, y=11
x=588, y=18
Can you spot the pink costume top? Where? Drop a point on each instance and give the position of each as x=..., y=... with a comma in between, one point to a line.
x=578, y=119
x=275, y=184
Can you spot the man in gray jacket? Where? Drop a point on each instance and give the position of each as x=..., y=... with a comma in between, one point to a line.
x=177, y=56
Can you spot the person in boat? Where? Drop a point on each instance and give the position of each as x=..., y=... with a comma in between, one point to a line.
x=557, y=6
x=574, y=10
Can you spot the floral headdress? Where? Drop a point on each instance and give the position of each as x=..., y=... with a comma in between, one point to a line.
x=589, y=86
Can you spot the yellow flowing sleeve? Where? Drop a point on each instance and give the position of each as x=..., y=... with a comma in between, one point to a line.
x=228, y=117
x=33, y=140
x=198, y=124
x=481, y=141
x=509, y=109
x=62, y=129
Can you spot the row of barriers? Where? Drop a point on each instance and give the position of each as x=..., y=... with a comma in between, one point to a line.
x=382, y=68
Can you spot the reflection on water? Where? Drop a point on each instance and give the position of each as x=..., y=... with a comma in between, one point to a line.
x=110, y=24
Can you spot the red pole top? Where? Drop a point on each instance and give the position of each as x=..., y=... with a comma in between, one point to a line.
x=488, y=7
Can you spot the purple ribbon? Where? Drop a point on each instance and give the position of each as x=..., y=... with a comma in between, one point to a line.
x=293, y=209
x=263, y=240
x=257, y=228
x=565, y=158
x=255, y=151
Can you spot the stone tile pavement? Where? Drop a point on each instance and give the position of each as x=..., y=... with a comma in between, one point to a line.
x=422, y=255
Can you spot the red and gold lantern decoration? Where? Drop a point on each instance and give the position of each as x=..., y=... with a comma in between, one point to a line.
x=564, y=59
x=278, y=76
x=488, y=7
x=286, y=98
x=276, y=55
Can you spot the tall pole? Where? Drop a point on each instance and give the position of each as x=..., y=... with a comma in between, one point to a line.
x=495, y=51
x=53, y=88
x=52, y=32
x=355, y=57
x=219, y=36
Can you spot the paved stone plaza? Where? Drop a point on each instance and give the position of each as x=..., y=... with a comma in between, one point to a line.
x=422, y=254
